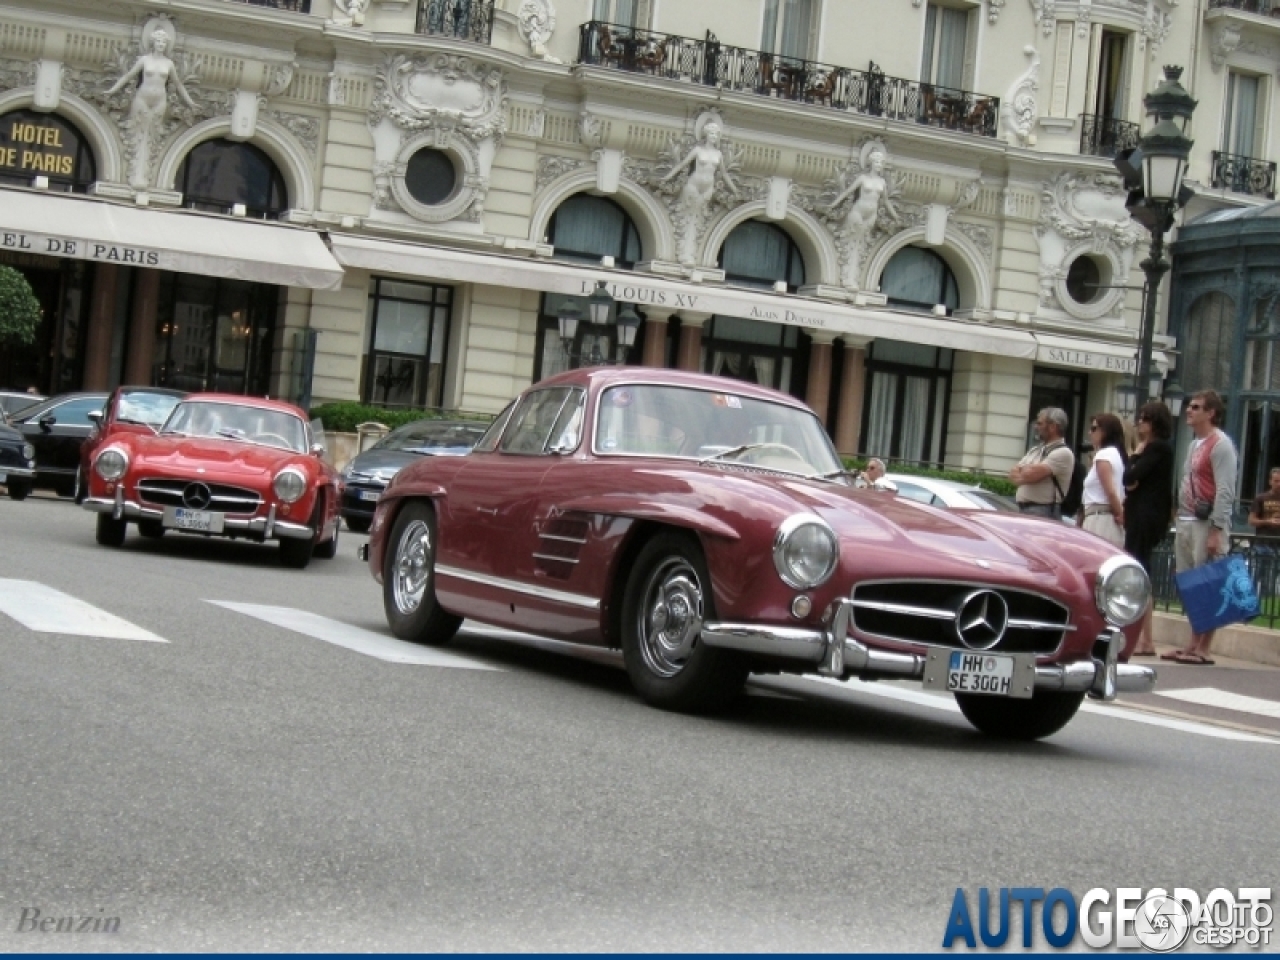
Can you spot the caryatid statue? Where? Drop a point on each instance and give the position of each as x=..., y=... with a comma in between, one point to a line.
x=870, y=192
x=706, y=162
x=154, y=72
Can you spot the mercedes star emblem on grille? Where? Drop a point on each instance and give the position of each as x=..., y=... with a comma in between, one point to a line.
x=981, y=619
x=196, y=496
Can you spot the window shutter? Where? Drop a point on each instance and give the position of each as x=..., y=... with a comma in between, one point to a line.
x=970, y=73
x=930, y=29
x=1091, y=99
x=644, y=13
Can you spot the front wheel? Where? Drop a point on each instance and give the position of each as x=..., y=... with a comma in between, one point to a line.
x=1007, y=719
x=111, y=531
x=668, y=596
x=18, y=489
x=151, y=529
x=408, y=579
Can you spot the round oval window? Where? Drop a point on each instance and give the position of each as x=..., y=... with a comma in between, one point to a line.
x=1084, y=280
x=430, y=177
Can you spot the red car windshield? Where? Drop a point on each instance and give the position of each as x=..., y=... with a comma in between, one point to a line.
x=149, y=408
x=234, y=421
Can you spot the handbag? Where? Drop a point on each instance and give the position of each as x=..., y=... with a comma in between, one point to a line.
x=1218, y=593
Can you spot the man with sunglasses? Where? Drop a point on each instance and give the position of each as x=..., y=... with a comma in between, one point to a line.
x=1044, y=474
x=1206, y=498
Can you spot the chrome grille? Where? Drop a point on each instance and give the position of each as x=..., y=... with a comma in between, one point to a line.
x=927, y=612
x=223, y=498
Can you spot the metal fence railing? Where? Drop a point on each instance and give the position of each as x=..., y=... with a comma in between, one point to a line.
x=1261, y=557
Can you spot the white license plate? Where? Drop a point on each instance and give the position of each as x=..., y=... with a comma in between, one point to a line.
x=987, y=673
x=201, y=521
x=368, y=494
x=4, y=477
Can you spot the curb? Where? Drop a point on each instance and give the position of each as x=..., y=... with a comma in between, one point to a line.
x=1239, y=642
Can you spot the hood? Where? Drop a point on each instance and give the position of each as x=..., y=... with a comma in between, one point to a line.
x=222, y=459
x=381, y=463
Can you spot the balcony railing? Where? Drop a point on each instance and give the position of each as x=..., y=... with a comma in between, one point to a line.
x=295, y=6
x=1244, y=175
x=714, y=64
x=1267, y=8
x=461, y=19
x=1105, y=136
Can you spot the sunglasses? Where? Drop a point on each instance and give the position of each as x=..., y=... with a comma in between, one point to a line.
x=1195, y=406
x=1093, y=427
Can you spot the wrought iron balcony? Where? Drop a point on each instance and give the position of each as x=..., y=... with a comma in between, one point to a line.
x=295, y=6
x=461, y=19
x=714, y=64
x=1244, y=175
x=1266, y=8
x=1106, y=136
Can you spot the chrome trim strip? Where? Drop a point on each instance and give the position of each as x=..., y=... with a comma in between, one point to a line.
x=909, y=610
x=542, y=593
x=24, y=473
x=132, y=510
x=1040, y=625
x=556, y=536
x=547, y=556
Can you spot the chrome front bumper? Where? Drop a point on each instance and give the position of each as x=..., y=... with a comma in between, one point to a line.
x=834, y=653
x=22, y=473
x=265, y=528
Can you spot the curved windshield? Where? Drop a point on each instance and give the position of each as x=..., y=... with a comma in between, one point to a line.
x=702, y=425
x=433, y=436
x=234, y=421
x=151, y=409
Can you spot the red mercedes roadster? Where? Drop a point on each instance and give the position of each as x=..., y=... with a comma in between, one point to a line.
x=222, y=465
x=707, y=528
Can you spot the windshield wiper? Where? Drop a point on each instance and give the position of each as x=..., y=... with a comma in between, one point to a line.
x=731, y=452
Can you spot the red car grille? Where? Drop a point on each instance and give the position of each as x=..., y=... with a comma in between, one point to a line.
x=165, y=492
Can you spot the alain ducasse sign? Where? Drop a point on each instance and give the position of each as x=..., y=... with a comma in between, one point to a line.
x=42, y=144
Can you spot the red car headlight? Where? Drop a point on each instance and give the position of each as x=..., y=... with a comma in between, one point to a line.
x=289, y=485
x=111, y=463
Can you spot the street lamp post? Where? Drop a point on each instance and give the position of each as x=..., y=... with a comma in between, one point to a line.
x=599, y=308
x=1153, y=172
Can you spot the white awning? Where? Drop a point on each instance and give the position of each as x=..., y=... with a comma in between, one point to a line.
x=84, y=228
x=1094, y=355
x=647, y=290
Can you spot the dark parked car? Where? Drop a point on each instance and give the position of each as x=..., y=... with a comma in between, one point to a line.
x=11, y=401
x=707, y=528
x=369, y=473
x=57, y=427
x=129, y=410
x=17, y=463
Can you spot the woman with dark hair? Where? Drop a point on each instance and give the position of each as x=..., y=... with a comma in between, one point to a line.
x=1149, y=504
x=1102, y=506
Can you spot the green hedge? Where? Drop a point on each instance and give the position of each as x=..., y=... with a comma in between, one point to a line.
x=344, y=417
x=988, y=481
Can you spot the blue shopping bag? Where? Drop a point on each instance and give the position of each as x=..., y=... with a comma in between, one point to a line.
x=1218, y=593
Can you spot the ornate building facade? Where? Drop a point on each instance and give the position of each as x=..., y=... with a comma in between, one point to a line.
x=906, y=215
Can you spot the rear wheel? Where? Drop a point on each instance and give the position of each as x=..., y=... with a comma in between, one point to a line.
x=152, y=529
x=296, y=553
x=409, y=579
x=18, y=489
x=1007, y=719
x=668, y=596
x=67, y=488
x=110, y=530
x=359, y=524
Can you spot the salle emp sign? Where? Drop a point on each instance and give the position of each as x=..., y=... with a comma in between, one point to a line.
x=1091, y=361
x=79, y=249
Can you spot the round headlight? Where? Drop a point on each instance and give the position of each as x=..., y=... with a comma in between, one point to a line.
x=805, y=551
x=111, y=463
x=1121, y=591
x=289, y=485
x=28, y=452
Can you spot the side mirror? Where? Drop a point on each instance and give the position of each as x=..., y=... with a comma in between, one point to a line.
x=317, y=449
x=47, y=421
x=96, y=416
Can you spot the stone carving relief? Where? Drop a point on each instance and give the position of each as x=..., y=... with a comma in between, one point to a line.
x=15, y=73
x=1018, y=108
x=1084, y=215
x=1046, y=15
x=350, y=12
x=553, y=168
x=306, y=130
x=454, y=104
x=1224, y=38
x=536, y=21
x=993, y=11
x=858, y=204
x=590, y=130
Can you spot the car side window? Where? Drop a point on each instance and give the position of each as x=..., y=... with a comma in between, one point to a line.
x=567, y=430
x=912, y=492
x=533, y=420
x=76, y=412
x=489, y=441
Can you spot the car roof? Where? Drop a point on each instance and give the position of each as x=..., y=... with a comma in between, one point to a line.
x=603, y=377
x=262, y=403
x=166, y=391
x=938, y=483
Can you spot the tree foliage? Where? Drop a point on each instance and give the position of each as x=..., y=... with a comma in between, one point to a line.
x=19, y=308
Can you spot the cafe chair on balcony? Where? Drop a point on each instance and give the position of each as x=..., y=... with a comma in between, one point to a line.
x=771, y=77
x=980, y=116
x=821, y=87
x=653, y=56
x=611, y=52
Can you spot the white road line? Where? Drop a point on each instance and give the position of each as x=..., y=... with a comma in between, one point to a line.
x=352, y=638
x=935, y=701
x=46, y=610
x=1212, y=697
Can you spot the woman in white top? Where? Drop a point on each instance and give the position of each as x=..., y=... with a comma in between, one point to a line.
x=1102, y=506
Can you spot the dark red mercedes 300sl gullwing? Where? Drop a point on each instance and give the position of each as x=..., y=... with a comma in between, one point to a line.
x=706, y=527
x=222, y=465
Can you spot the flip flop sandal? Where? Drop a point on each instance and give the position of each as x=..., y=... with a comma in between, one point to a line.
x=1194, y=660
x=1171, y=655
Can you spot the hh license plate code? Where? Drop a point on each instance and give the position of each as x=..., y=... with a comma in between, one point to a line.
x=980, y=673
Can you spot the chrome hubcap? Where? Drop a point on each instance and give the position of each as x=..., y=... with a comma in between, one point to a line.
x=670, y=617
x=412, y=567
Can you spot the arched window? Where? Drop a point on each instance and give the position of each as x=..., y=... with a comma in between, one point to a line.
x=218, y=174
x=759, y=254
x=919, y=279
x=585, y=229
x=44, y=145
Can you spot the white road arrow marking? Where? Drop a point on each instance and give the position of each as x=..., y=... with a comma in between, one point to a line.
x=1212, y=697
x=46, y=610
x=352, y=638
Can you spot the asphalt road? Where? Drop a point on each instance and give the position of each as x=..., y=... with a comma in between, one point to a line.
x=244, y=786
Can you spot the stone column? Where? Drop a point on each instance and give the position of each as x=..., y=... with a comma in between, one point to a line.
x=102, y=315
x=817, y=391
x=142, y=328
x=689, y=353
x=853, y=385
x=655, y=337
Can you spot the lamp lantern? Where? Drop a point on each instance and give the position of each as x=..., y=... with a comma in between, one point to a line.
x=600, y=304
x=569, y=316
